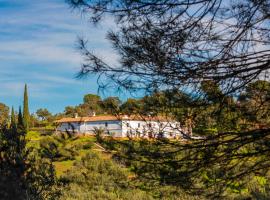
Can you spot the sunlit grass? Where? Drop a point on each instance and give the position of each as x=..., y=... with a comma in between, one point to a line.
x=62, y=166
x=33, y=135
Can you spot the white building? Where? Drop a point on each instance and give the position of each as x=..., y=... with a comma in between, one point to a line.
x=122, y=126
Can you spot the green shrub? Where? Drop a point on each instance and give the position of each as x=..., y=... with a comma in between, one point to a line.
x=33, y=135
x=80, y=143
x=49, y=148
x=56, y=148
x=95, y=178
x=66, y=154
x=87, y=146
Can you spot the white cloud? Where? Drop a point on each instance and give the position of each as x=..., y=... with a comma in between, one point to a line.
x=43, y=33
x=37, y=47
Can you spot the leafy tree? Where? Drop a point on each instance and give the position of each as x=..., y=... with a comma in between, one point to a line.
x=70, y=111
x=255, y=103
x=154, y=104
x=111, y=105
x=35, y=122
x=91, y=99
x=4, y=114
x=222, y=107
x=212, y=91
x=93, y=103
x=26, y=115
x=131, y=106
x=43, y=114
x=84, y=110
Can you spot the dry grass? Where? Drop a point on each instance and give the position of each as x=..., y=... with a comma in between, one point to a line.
x=63, y=166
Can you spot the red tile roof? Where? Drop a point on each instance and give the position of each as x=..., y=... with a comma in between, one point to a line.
x=113, y=118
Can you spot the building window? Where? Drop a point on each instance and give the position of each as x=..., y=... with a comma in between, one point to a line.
x=70, y=126
x=139, y=125
x=106, y=124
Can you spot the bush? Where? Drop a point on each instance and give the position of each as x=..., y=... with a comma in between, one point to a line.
x=56, y=148
x=95, y=178
x=80, y=143
x=49, y=148
x=33, y=135
x=87, y=146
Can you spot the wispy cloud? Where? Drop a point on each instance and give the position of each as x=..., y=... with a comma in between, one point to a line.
x=37, y=46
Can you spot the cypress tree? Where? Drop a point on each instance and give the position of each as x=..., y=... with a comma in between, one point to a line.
x=20, y=120
x=13, y=120
x=26, y=116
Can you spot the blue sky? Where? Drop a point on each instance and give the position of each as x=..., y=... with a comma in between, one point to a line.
x=37, y=47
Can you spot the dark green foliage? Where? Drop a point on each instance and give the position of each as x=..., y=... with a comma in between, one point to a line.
x=70, y=111
x=26, y=115
x=91, y=99
x=12, y=164
x=49, y=148
x=93, y=102
x=111, y=105
x=87, y=146
x=255, y=102
x=212, y=91
x=131, y=106
x=23, y=175
x=99, y=134
x=223, y=167
x=20, y=120
x=55, y=147
x=13, y=124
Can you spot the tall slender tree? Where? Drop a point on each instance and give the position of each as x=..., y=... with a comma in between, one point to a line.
x=20, y=120
x=26, y=116
x=13, y=124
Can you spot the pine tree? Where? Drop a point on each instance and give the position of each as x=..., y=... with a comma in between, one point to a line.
x=13, y=124
x=26, y=116
x=20, y=120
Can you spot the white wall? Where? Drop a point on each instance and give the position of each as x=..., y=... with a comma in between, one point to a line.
x=126, y=128
x=110, y=127
x=73, y=126
x=150, y=129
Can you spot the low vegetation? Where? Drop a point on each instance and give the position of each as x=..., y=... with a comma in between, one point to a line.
x=126, y=170
x=83, y=170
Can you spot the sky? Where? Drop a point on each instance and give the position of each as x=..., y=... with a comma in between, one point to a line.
x=38, y=48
